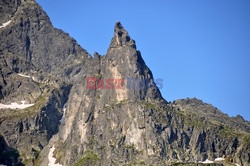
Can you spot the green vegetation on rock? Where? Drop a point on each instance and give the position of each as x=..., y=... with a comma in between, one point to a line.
x=90, y=158
x=136, y=162
x=30, y=111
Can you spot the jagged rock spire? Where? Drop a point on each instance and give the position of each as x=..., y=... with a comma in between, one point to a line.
x=121, y=37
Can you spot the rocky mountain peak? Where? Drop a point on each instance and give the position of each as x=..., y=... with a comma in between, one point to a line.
x=118, y=25
x=124, y=61
x=121, y=37
x=239, y=118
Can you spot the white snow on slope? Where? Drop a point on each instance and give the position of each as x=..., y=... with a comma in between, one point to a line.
x=23, y=75
x=52, y=160
x=207, y=162
x=15, y=105
x=5, y=24
x=64, y=111
x=219, y=159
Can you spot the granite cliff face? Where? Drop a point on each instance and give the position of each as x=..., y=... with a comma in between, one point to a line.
x=90, y=121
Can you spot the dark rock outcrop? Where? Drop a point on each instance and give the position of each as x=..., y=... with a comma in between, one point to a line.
x=7, y=9
x=8, y=155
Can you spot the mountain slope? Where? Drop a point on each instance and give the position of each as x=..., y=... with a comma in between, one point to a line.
x=137, y=126
x=37, y=66
x=101, y=110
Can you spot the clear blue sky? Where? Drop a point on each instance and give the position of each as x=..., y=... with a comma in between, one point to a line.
x=200, y=48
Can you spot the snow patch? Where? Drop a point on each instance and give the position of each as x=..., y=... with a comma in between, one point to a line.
x=207, y=162
x=64, y=112
x=2, y=165
x=15, y=105
x=237, y=164
x=52, y=160
x=4, y=25
x=219, y=159
x=23, y=75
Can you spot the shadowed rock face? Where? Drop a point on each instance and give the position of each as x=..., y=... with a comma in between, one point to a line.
x=8, y=9
x=8, y=155
x=127, y=122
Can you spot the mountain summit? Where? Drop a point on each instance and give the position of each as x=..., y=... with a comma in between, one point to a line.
x=59, y=105
x=121, y=37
